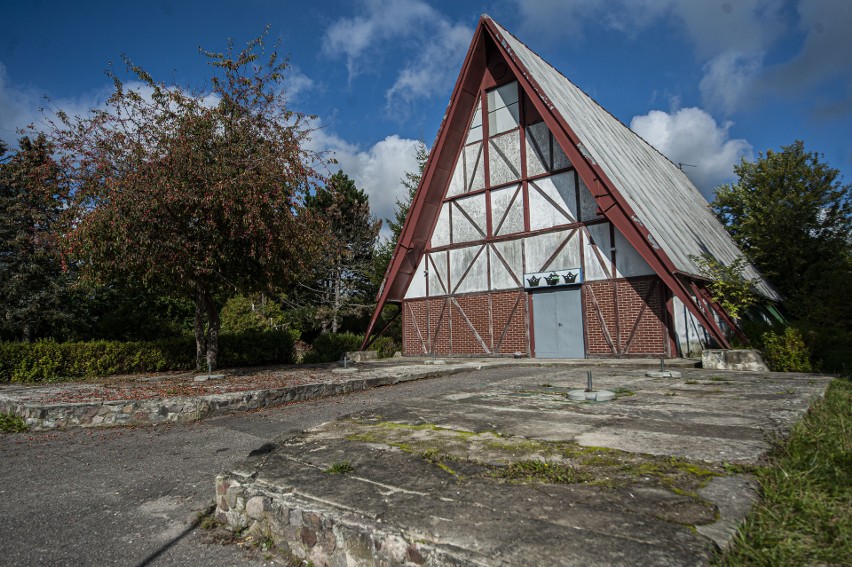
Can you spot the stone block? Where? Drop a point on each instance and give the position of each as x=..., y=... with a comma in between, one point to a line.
x=362, y=355
x=721, y=359
x=257, y=506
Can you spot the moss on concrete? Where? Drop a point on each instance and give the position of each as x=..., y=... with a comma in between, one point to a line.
x=521, y=460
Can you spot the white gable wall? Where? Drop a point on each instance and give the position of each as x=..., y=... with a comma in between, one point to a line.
x=559, y=205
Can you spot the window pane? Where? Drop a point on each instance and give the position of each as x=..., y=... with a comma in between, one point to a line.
x=503, y=108
x=503, y=119
x=475, y=131
x=503, y=96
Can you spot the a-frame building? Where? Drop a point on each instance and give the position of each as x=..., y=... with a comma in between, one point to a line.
x=544, y=226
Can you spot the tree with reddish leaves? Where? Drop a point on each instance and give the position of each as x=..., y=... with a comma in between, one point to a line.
x=193, y=193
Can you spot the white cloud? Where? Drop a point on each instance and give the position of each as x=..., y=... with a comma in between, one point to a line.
x=433, y=70
x=823, y=59
x=730, y=38
x=24, y=106
x=562, y=19
x=377, y=170
x=436, y=44
x=691, y=136
x=384, y=20
x=713, y=27
x=735, y=25
x=296, y=84
x=16, y=106
x=729, y=80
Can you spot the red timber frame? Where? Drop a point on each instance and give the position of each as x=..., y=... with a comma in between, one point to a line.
x=423, y=213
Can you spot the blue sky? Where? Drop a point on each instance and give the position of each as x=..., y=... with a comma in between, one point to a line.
x=706, y=81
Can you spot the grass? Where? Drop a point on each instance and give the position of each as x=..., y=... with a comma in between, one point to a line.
x=805, y=515
x=343, y=467
x=11, y=423
x=719, y=379
x=540, y=471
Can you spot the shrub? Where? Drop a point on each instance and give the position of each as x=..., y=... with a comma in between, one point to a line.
x=256, y=313
x=257, y=348
x=49, y=361
x=329, y=347
x=386, y=346
x=787, y=351
x=10, y=423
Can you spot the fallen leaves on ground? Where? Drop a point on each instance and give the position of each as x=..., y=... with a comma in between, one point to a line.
x=137, y=388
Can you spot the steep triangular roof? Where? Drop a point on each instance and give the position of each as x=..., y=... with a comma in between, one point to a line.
x=664, y=199
x=651, y=202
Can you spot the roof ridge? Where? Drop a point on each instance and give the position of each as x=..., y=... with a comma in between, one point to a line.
x=590, y=97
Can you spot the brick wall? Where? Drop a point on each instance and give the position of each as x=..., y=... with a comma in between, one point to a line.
x=632, y=329
x=629, y=314
x=452, y=325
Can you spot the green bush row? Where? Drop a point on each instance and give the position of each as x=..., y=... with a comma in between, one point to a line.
x=329, y=347
x=49, y=360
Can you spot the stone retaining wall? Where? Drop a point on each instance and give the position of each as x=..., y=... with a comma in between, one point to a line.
x=310, y=532
x=93, y=414
x=41, y=417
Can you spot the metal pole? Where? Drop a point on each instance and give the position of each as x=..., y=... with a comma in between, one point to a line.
x=589, y=381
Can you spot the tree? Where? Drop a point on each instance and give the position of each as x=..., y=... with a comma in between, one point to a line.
x=33, y=288
x=384, y=251
x=411, y=183
x=727, y=284
x=792, y=217
x=343, y=274
x=194, y=194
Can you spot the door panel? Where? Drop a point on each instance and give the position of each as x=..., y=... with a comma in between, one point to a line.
x=558, y=323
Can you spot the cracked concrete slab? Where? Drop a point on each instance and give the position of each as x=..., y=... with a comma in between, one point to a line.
x=508, y=471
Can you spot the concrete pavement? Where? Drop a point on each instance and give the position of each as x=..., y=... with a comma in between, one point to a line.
x=506, y=470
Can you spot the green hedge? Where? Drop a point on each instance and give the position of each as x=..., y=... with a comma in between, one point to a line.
x=330, y=347
x=49, y=360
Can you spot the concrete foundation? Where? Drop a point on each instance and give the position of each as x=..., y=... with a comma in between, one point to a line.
x=720, y=359
x=509, y=471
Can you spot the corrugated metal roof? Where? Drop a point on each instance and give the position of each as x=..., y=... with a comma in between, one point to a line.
x=668, y=204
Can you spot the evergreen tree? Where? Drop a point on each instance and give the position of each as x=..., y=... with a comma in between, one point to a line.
x=411, y=181
x=342, y=288
x=34, y=291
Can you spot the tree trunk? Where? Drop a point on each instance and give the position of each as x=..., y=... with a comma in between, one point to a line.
x=212, y=331
x=200, y=342
x=335, y=310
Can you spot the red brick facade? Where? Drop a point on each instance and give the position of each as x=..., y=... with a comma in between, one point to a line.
x=625, y=317
x=476, y=324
